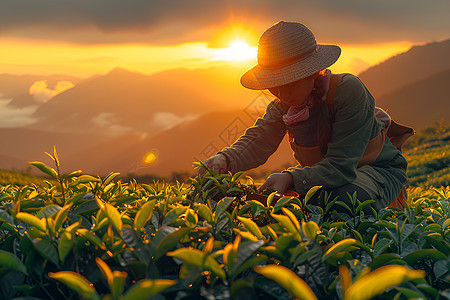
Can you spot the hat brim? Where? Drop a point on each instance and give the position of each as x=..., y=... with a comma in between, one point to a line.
x=259, y=78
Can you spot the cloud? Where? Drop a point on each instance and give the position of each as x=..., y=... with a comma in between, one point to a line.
x=167, y=120
x=41, y=93
x=11, y=116
x=178, y=21
x=108, y=120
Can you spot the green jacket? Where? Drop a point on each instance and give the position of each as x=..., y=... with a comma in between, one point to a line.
x=355, y=124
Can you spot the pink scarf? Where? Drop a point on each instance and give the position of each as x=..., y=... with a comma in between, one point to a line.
x=301, y=113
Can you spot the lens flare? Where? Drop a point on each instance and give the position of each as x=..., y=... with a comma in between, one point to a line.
x=149, y=158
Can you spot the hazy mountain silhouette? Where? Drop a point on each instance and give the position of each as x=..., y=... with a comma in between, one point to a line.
x=22, y=145
x=123, y=101
x=175, y=148
x=420, y=103
x=411, y=66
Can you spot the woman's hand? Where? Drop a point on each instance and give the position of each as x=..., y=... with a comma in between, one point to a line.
x=277, y=181
x=217, y=163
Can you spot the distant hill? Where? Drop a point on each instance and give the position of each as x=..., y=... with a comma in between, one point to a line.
x=175, y=148
x=420, y=103
x=417, y=63
x=22, y=145
x=123, y=101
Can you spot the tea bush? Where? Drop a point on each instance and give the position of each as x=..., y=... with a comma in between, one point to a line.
x=101, y=238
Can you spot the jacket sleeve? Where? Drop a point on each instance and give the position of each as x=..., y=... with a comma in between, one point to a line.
x=258, y=142
x=355, y=124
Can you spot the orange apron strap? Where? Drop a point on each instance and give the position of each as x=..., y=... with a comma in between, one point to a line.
x=306, y=156
x=373, y=149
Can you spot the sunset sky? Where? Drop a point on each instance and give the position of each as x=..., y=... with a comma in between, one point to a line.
x=84, y=38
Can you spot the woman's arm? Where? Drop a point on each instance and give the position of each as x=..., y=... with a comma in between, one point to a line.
x=258, y=142
x=355, y=124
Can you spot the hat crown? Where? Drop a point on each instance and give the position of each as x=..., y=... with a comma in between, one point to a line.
x=285, y=43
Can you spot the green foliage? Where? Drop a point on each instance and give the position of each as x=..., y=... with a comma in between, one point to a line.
x=428, y=155
x=101, y=238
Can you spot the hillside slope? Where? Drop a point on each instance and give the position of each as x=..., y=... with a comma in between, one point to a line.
x=420, y=103
x=123, y=101
x=417, y=63
x=175, y=148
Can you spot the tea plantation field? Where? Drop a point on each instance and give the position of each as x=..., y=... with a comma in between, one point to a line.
x=81, y=236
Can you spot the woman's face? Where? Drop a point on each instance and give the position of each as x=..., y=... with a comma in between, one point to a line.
x=295, y=93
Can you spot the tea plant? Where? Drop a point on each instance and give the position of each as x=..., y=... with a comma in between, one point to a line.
x=101, y=238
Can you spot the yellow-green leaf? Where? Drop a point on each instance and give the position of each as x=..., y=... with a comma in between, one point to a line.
x=311, y=193
x=147, y=288
x=251, y=226
x=310, y=229
x=338, y=247
x=91, y=237
x=292, y=217
x=32, y=220
x=286, y=222
x=287, y=279
x=144, y=214
x=196, y=257
x=44, y=168
x=76, y=282
x=106, y=271
x=209, y=245
x=376, y=282
x=11, y=261
x=205, y=213
x=112, y=214
x=61, y=216
x=247, y=235
x=191, y=218
x=65, y=245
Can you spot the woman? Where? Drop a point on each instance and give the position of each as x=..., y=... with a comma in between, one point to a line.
x=331, y=121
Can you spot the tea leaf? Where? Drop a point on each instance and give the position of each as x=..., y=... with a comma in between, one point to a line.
x=251, y=226
x=338, y=247
x=197, y=258
x=144, y=214
x=170, y=241
x=311, y=193
x=90, y=236
x=221, y=207
x=147, y=288
x=76, y=282
x=310, y=229
x=205, y=213
x=380, y=246
x=65, y=245
x=32, y=220
x=11, y=261
x=44, y=168
x=46, y=250
x=61, y=216
x=376, y=282
x=287, y=279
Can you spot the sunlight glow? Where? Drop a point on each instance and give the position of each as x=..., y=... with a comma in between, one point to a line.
x=149, y=158
x=237, y=51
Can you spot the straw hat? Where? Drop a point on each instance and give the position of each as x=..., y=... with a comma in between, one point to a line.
x=288, y=52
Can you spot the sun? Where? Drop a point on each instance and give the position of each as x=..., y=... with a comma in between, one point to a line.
x=237, y=51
